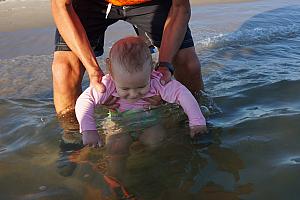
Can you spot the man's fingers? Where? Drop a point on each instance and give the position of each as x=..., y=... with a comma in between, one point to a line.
x=164, y=80
x=95, y=80
x=166, y=77
x=99, y=86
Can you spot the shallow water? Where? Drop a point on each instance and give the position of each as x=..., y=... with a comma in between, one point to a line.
x=250, y=54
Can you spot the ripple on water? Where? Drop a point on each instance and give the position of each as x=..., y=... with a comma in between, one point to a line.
x=289, y=160
x=2, y=149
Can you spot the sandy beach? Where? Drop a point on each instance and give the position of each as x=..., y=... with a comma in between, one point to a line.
x=27, y=27
x=18, y=15
x=27, y=14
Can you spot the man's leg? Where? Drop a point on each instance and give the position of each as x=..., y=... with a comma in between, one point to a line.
x=67, y=72
x=188, y=69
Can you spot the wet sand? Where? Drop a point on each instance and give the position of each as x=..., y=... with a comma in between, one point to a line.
x=27, y=27
x=17, y=14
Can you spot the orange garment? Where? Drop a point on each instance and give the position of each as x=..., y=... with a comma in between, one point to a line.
x=126, y=2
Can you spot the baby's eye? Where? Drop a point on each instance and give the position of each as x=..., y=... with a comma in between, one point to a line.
x=142, y=87
x=124, y=88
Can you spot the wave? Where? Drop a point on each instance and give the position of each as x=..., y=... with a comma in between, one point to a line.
x=279, y=99
x=25, y=122
x=266, y=27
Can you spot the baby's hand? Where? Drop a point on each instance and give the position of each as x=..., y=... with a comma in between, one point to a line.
x=91, y=138
x=199, y=129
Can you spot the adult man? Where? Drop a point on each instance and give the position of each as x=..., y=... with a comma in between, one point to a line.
x=82, y=23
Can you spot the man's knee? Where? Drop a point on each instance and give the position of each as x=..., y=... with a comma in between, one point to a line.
x=188, y=69
x=60, y=70
x=67, y=75
x=66, y=70
x=186, y=59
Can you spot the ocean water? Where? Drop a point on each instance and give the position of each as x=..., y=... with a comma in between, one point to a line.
x=250, y=55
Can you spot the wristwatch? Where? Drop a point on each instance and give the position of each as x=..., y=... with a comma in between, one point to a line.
x=165, y=64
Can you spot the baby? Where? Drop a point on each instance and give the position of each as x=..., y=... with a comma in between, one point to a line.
x=131, y=78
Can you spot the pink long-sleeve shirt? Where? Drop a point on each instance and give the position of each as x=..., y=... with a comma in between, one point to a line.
x=173, y=92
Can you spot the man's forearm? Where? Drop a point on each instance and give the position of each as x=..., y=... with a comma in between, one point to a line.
x=175, y=29
x=71, y=29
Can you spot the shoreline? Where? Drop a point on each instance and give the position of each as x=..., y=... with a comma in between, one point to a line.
x=31, y=14
x=27, y=27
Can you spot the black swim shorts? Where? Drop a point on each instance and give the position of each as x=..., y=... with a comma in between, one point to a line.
x=147, y=19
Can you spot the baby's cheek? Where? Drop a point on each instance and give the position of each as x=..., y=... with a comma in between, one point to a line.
x=121, y=93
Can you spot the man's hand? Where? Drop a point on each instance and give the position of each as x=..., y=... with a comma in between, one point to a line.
x=199, y=129
x=166, y=75
x=95, y=81
x=91, y=138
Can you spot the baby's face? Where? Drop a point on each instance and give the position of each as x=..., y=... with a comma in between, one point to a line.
x=132, y=86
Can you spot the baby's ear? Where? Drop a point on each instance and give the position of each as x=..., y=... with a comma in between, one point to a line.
x=107, y=62
x=108, y=65
x=153, y=65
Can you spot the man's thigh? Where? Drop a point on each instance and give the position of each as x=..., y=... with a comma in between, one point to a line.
x=149, y=20
x=92, y=14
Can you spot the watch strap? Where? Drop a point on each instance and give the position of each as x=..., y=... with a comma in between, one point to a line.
x=167, y=65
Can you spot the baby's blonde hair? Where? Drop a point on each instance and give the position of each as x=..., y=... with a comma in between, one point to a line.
x=131, y=53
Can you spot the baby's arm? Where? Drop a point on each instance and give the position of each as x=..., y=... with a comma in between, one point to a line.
x=84, y=109
x=175, y=92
